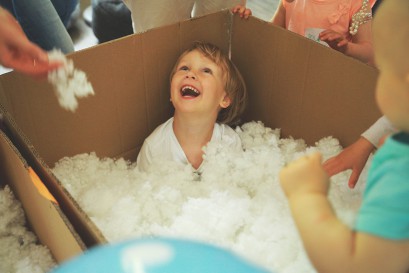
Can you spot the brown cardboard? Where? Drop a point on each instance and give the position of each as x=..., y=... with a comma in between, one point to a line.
x=44, y=216
x=306, y=89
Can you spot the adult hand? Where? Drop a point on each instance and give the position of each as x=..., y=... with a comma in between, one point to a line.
x=17, y=52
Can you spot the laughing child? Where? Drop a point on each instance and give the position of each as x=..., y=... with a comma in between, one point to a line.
x=207, y=92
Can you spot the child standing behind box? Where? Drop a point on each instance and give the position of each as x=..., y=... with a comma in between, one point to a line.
x=379, y=242
x=345, y=25
x=206, y=88
x=156, y=13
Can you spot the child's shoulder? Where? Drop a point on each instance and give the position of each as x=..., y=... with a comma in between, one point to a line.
x=160, y=132
x=224, y=128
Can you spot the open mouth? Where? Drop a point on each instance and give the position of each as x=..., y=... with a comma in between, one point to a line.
x=189, y=91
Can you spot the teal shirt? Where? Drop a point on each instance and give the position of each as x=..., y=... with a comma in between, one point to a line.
x=385, y=206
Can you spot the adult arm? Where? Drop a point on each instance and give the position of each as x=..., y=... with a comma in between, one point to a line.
x=17, y=52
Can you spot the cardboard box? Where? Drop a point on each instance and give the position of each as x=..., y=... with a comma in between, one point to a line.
x=308, y=90
x=44, y=216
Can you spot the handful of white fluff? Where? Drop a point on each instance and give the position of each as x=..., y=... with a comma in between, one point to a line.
x=19, y=251
x=69, y=83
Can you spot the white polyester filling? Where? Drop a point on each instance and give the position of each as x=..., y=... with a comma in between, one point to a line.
x=237, y=202
x=69, y=82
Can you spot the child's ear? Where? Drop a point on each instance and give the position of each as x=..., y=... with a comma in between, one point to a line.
x=225, y=102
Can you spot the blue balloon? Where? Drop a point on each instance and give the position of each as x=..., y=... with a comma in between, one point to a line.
x=158, y=255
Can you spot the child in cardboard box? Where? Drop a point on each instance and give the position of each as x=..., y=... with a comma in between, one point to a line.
x=344, y=25
x=379, y=241
x=207, y=92
x=157, y=13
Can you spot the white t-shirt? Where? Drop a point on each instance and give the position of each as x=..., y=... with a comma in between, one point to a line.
x=378, y=130
x=162, y=145
x=147, y=14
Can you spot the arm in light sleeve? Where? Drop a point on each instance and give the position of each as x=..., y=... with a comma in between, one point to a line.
x=378, y=130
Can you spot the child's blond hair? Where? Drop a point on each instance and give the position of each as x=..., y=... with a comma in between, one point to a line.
x=235, y=86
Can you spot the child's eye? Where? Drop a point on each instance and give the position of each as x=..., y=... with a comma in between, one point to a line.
x=207, y=70
x=184, y=67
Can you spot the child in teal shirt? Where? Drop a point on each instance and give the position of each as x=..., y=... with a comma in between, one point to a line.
x=379, y=242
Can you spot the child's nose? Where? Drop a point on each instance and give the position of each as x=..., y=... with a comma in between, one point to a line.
x=191, y=74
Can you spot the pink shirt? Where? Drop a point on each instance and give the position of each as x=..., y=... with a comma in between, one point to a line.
x=303, y=15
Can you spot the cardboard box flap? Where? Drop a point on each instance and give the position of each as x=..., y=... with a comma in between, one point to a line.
x=80, y=221
x=214, y=28
x=308, y=90
x=45, y=217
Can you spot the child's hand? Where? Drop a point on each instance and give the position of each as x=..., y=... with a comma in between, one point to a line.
x=304, y=176
x=242, y=11
x=353, y=157
x=334, y=39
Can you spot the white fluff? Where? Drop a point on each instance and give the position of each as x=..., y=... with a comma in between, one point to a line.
x=237, y=202
x=69, y=82
x=19, y=251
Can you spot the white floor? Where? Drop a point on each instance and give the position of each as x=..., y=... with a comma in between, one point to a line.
x=83, y=37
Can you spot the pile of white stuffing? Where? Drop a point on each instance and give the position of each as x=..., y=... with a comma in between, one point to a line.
x=237, y=201
x=20, y=251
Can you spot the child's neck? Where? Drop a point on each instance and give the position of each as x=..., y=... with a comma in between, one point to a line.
x=192, y=136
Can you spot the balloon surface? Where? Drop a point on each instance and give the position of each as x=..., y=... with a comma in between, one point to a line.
x=158, y=255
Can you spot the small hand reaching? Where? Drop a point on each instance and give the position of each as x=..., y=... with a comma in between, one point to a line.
x=334, y=39
x=242, y=11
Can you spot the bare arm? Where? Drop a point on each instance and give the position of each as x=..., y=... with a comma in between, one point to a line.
x=331, y=245
x=353, y=157
x=279, y=16
x=361, y=46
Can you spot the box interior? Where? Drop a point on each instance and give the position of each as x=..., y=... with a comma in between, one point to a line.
x=45, y=218
x=308, y=90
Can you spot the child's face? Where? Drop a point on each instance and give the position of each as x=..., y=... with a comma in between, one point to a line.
x=392, y=90
x=198, y=86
